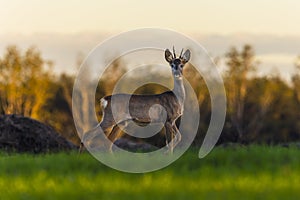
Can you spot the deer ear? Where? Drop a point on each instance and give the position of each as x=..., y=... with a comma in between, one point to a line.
x=168, y=56
x=186, y=56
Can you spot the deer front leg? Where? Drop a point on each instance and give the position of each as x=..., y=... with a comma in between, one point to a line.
x=177, y=135
x=169, y=134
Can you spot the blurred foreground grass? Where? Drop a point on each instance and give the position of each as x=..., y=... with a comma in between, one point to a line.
x=255, y=172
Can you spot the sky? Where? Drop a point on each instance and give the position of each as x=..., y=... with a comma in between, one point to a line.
x=279, y=17
x=62, y=29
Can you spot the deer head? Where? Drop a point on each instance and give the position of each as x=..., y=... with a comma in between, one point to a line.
x=177, y=64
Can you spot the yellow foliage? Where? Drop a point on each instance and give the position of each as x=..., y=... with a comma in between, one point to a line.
x=24, y=83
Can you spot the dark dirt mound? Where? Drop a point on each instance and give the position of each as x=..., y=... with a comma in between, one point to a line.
x=23, y=134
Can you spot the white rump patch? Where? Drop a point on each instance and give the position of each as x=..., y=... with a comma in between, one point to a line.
x=103, y=103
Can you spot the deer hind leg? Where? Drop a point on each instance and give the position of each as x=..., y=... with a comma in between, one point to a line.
x=88, y=138
x=81, y=148
x=105, y=126
x=115, y=134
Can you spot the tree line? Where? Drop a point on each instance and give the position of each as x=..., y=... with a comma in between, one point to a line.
x=260, y=109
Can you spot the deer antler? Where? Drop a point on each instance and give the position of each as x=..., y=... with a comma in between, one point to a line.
x=174, y=52
x=181, y=53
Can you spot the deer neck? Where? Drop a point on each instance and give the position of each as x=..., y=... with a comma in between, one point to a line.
x=179, y=90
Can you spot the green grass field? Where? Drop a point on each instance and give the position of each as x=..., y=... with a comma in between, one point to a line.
x=255, y=172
